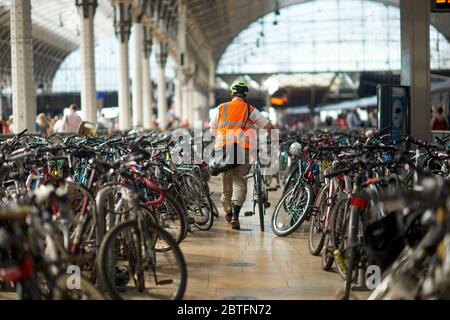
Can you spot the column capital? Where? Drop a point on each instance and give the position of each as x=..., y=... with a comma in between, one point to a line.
x=140, y=7
x=88, y=7
x=122, y=20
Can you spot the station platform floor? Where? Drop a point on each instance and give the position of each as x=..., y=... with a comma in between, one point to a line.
x=276, y=268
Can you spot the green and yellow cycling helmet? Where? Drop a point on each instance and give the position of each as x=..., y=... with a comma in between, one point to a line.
x=239, y=87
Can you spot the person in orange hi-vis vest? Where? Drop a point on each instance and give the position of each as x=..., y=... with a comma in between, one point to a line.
x=234, y=124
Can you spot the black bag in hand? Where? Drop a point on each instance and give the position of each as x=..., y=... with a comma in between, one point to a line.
x=223, y=161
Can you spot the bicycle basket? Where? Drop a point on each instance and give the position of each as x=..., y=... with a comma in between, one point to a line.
x=87, y=129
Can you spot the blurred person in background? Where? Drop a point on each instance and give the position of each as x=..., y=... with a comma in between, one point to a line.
x=58, y=127
x=439, y=121
x=353, y=119
x=316, y=121
x=373, y=118
x=8, y=126
x=105, y=124
x=72, y=120
x=42, y=125
x=341, y=121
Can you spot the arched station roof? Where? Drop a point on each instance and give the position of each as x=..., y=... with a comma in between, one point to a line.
x=212, y=26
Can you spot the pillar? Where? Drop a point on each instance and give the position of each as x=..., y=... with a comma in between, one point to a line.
x=1, y=95
x=180, y=81
x=122, y=25
x=162, y=99
x=23, y=90
x=196, y=97
x=147, y=99
x=212, y=83
x=415, y=73
x=186, y=109
x=178, y=97
x=86, y=10
x=192, y=102
x=137, y=82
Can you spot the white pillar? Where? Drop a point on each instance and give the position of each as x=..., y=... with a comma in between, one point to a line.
x=162, y=99
x=1, y=96
x=137, y=74
x=122, y=27
x=86, y=10
x=147, y=81
x=199, y=107
x=23, y=90
x=178, y=97
x=192, y=103
x=415, y=31
x=186, y=109
x=212, y=83
x=180, y=82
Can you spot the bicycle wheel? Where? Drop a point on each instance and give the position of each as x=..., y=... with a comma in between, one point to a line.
x=292, y=179
x=260, y=201
x=208, y=225
x=171, y=217
x=131, y=268
x=337, y=227
x=291, y=210
x=317, y=226
x=350, y=250
x=196, y=199
x=349, y=275
x=284, y=167
x=327, y=254
x=85, y=291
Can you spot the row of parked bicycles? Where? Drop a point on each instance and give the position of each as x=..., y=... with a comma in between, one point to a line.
x=103, y=217
x=377, y=207
x=97, y=217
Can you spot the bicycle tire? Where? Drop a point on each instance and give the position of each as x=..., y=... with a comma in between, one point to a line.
x=260, y=200
x=351, y=264
x=188, y=191
x=289, y=196
x=61, y=290
x=338, y=217
x=179, y=214
x=349, y=274
x=315, y=247
x=208, y=225
x=201, y=196
x=105, y=274
x=292, y=178
x=327, y=255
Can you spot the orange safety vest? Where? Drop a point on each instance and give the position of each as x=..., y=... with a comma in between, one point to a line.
x=234, y=125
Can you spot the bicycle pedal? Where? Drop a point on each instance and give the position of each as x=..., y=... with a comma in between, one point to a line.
x=165, y=282
x=267, y=205
x=272, y=189
x=248, y=213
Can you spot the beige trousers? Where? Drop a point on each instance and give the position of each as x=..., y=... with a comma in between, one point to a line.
x=234, y=187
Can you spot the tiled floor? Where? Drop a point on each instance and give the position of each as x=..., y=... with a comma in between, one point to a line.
x=283, y=267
